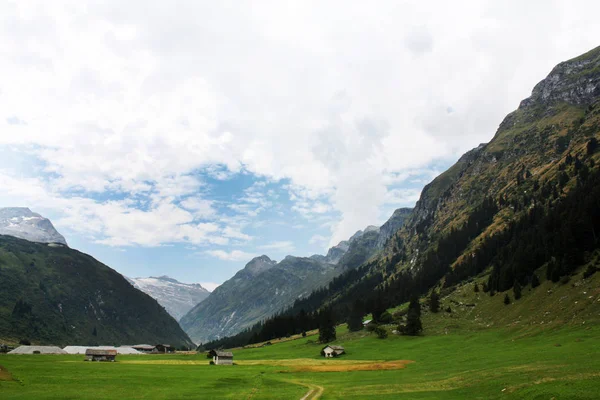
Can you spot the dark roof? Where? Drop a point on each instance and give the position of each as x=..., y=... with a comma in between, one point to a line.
x=336, y=348
x=144, y=346
x=225, y=354
x=100, y=352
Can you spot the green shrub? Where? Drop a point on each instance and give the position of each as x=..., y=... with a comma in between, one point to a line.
x=381, y=332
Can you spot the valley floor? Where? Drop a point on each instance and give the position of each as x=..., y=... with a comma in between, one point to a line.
x=545, y=345
x=563, y=363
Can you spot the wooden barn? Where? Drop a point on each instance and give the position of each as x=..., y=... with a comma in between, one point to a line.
x=222, y=357
x=100, y=355
x=332, y=351
x=164, y=348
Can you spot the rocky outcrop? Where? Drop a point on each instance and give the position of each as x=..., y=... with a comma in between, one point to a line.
x=392, y=226
x=576, y=81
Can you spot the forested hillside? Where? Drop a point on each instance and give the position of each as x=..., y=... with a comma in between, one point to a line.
x=51, y=294
x=523, y=207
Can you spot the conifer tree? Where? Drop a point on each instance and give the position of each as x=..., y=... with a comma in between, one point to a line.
x=326, y=326
x=535, y=281
x=517, y=290
x=413, y=319
x=356, y=316
x=434, y=302
x=506, y=299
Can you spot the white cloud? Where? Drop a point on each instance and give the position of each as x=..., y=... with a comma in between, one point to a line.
x=234, y=255
x=338, y=98
x=202, y=208
x=284, y=246
x=318, y=239
x=402, y=197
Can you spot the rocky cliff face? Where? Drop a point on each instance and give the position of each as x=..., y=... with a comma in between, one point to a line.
x=576, y=82
x=392, y=225
x=530, y=148
x=176, y=297
x=21, y=222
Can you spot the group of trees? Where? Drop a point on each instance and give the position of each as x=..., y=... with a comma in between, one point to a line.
x=556, y=231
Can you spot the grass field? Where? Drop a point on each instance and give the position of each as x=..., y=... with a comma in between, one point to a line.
x=564, y=364
x=544, y=346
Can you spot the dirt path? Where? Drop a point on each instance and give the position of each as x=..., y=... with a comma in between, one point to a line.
x=314, y=391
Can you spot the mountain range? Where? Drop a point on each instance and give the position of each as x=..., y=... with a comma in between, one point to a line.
x=176, y=297
x=265, y=287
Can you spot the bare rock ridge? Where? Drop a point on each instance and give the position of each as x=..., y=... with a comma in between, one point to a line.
x=22, y=223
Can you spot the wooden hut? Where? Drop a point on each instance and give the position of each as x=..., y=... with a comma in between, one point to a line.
x=332, y=351
x=222, y=357
x=100, y=355
x=165, y=348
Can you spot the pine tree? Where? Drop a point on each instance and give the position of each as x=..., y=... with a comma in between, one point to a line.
x=415, y=305
x=506, y=299
x=413, y=319
x=379, y=307
x=326, y=326
x=535, y=281
x=591, y=146
x=517, y=290
x=476, y=288
x=356, y=316
x=434, y=302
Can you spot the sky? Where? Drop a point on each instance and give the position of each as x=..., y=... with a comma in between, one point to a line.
x=186, y=137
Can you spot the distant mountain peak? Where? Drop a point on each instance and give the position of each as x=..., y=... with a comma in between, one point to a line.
x=259, y=264
x=23, y=223
x=176, y=297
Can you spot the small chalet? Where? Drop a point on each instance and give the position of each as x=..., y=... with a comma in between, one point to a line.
x=221, y=357
x=332, y=351
x=145, y=348
x=100, y=355
x=164, y=348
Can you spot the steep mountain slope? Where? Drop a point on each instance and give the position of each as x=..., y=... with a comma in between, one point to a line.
x=53, y=294
x=21, y=222
x=525, y=204
x=176, y=297
x=265, y=287
x=253, y=294
x=468, y=217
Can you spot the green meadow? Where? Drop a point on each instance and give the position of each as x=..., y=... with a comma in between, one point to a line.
x=544, y=346
x=560, y=364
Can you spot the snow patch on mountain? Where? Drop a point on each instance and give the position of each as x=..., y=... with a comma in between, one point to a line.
x=176, y=297
x=23, y=223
